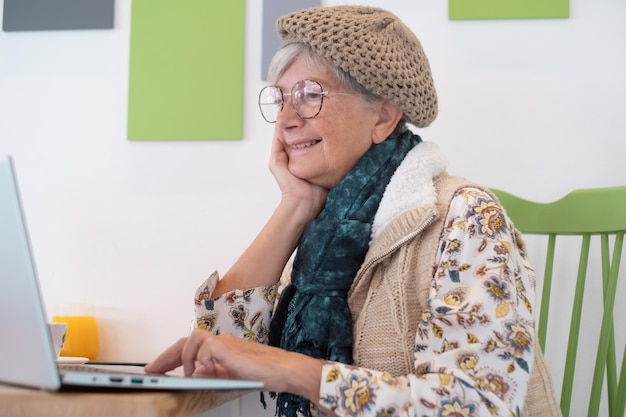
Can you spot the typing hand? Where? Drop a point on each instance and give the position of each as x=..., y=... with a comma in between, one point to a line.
x=227, y=356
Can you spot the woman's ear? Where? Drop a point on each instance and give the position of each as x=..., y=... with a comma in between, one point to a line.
x=389, y=116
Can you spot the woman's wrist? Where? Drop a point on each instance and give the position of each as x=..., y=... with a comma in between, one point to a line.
x=303, y=376
x=300, y=211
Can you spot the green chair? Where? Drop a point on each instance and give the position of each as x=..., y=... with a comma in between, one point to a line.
x=588, y=212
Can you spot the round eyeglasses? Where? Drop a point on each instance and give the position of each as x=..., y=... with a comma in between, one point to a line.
x=307, y=98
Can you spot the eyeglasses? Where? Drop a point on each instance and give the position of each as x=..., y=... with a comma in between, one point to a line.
x=307, y=97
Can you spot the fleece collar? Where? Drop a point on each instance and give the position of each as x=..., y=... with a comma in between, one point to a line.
x=411, y=186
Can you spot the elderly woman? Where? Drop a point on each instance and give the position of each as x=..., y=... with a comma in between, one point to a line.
x=409, y=292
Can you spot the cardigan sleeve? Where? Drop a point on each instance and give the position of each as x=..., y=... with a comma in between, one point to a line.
x=244, y=313
x=474, y=345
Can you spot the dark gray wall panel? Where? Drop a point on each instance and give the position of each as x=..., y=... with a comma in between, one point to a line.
x=20, y=15
x=272, y=10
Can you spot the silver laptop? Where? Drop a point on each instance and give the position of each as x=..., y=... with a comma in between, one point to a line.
x=27, y=356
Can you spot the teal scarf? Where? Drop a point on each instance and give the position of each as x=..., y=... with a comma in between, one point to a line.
x=312, y=316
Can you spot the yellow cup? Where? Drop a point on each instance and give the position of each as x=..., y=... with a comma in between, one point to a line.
x=81, y=339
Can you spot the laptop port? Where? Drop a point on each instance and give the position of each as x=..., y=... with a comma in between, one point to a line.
x=116, y=379
x=136, y=380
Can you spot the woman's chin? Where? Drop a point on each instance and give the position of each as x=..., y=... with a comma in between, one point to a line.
x=298, y=172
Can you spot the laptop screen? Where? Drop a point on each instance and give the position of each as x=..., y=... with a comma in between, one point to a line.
x=27, y=357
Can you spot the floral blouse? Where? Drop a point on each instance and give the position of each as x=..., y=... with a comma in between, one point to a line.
x=474, y=347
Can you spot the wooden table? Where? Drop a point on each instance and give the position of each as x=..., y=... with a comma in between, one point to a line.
x=17, y=402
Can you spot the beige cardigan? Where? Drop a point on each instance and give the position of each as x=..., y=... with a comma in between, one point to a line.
x=385, y=301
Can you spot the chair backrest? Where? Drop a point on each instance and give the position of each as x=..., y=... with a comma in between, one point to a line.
x=588, y=212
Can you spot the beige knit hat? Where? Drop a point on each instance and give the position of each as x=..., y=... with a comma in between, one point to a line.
x=373, y=46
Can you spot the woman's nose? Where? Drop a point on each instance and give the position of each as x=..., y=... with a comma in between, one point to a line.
x=288, y=115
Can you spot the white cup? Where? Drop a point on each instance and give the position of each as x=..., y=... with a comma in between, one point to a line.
x=57, y=334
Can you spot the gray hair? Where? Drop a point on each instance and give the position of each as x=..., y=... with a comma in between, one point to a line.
x=285, y=56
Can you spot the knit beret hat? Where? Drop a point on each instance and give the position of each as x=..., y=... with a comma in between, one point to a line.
x=374, y=47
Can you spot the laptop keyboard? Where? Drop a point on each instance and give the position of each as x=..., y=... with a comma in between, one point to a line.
x=66, y=367
x=79, y=368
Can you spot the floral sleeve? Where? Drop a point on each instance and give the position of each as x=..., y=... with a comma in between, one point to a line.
x=245, y=313
x=474, y=349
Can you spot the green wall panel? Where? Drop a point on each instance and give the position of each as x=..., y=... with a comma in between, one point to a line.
x=186, y=70
x=507, y=9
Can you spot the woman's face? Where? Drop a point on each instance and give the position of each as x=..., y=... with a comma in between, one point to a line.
x=324, y=149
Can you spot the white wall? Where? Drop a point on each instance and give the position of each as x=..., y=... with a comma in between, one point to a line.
x=533, y=106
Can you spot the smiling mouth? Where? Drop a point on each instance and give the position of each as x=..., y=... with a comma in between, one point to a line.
x=305, y=144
